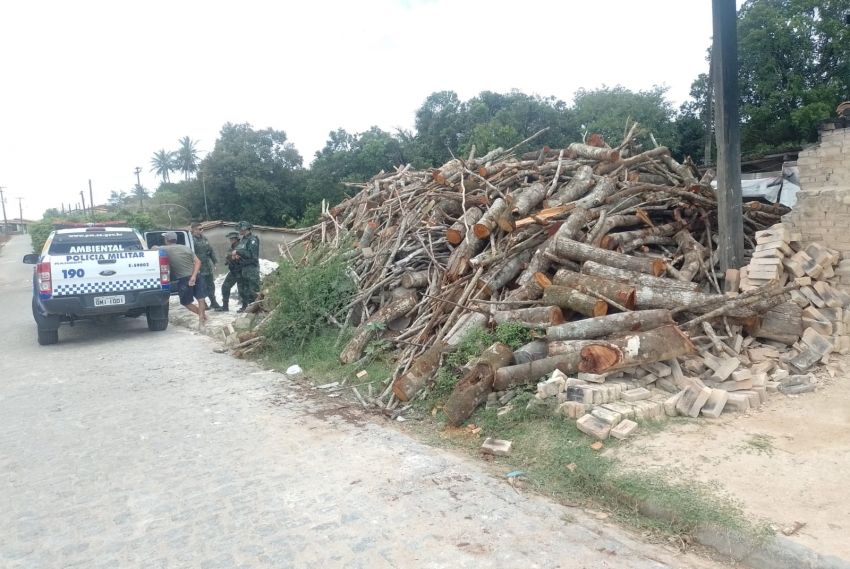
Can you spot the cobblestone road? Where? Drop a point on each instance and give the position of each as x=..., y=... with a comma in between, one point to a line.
x=122, y=448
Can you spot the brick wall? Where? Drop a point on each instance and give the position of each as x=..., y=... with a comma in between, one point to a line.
x=822, y=212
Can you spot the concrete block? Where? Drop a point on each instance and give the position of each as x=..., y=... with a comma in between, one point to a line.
x=692, y=399
x=625, y=411
x=755, y=400
x=624, y=429
x=610, y=417
x=797, y=389
x=551, y=387
x=715, y=404
x=592, y=377
x=670, y=405
x=593, y=426
x=759, y=380
x=735, y=385
x=816, y=341
x=660, y=369
x=737, y=402
x=496, y=447
x=636, y=394
x=741, y=375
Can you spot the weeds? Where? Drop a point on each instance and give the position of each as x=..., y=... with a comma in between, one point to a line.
x=307, y=295
x=759, y=444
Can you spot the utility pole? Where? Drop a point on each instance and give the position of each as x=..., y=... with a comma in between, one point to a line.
x=137, y=171
x=83, y=199
x=3, y=202
x=204, y=186
x=724, y=55
x=91, y=200
x=21, y=213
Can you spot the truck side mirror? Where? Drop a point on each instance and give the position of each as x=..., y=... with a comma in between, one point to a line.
x=31, y=259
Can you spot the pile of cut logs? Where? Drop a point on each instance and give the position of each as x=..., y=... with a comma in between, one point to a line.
x=608, y=253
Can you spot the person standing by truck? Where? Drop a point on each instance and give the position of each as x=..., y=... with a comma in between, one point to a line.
x=204, y=252
x=248, y=254
x=234, y=271
x=185, y=268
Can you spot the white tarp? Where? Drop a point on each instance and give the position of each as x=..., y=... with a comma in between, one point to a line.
x=774, y=187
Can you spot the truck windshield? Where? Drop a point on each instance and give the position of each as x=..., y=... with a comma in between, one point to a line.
x=94, y=242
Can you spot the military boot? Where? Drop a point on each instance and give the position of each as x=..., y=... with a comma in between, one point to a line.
x=214, y=303
x=243, y=307
x=223, y=307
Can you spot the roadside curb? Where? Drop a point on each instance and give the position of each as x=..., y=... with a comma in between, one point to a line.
x=776, y=552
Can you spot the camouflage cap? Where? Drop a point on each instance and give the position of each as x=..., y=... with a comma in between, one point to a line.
x=232, y=235
x=244, y=225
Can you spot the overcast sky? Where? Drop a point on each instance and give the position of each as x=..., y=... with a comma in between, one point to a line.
x=90, y=90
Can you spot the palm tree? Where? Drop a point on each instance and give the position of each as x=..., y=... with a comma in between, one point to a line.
x=187, y=156
x=164, y=162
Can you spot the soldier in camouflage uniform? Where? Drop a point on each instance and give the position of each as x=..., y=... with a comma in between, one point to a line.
x=248, y=254
x=204, y=252
x=233, y=273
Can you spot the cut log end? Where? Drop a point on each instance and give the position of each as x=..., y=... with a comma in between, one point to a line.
x=481, y=231
x=659, y=267
x=598, y=358
x=600, y=308
x=454, y=236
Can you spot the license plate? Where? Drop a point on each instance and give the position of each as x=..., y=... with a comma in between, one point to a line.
x=109, y=300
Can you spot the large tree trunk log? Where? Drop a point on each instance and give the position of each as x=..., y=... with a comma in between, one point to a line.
x=488, y=221
x=417, y=279
x=392, y=310
x=572, y=299
x=501, y=274
x=423, y=367
x=536, y=317
x=664, y=343
x=532, y=371
x=528, y=198
x=635, y=278
x=536, y=350
x=602, y=326
x=578, y=187
x=585, y=151
x=543, y=216
x=782, y=324
x=605, y=188
x=456, y=233
x=472, y=390
x=459, y=259
x=467, y=322
x=621, y=293
x=576, y=251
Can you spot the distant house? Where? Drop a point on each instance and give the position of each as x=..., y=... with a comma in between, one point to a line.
x=16, y=226
x=271, y=238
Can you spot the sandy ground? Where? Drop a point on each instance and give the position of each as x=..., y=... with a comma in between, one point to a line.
x=787, y=463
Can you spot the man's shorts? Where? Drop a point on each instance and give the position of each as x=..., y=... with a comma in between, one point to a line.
x=188, y=294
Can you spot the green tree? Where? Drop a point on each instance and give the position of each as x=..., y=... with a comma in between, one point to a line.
x=117, y=198
x=251, y=174
x=163, y=163
x=187, y=157
x=794, y=69
x=607, y=110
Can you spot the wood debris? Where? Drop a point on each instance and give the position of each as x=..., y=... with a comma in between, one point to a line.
x=608, y=252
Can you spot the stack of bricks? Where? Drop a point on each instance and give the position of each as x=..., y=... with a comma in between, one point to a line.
x=822, y=212
x=772, y=246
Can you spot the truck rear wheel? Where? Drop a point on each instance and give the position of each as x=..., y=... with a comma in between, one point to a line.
x=48, y=337
x=157, y=317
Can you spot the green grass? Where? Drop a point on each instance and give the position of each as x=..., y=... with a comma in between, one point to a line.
x=555, y=456
x=319, y=358
x=759, y=444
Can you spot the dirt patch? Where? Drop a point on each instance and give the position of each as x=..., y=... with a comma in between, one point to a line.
x=786, y=463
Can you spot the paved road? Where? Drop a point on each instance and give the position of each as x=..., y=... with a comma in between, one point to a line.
x=123, y=448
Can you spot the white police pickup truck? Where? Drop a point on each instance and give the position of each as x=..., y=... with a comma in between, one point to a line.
x=91, y=272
